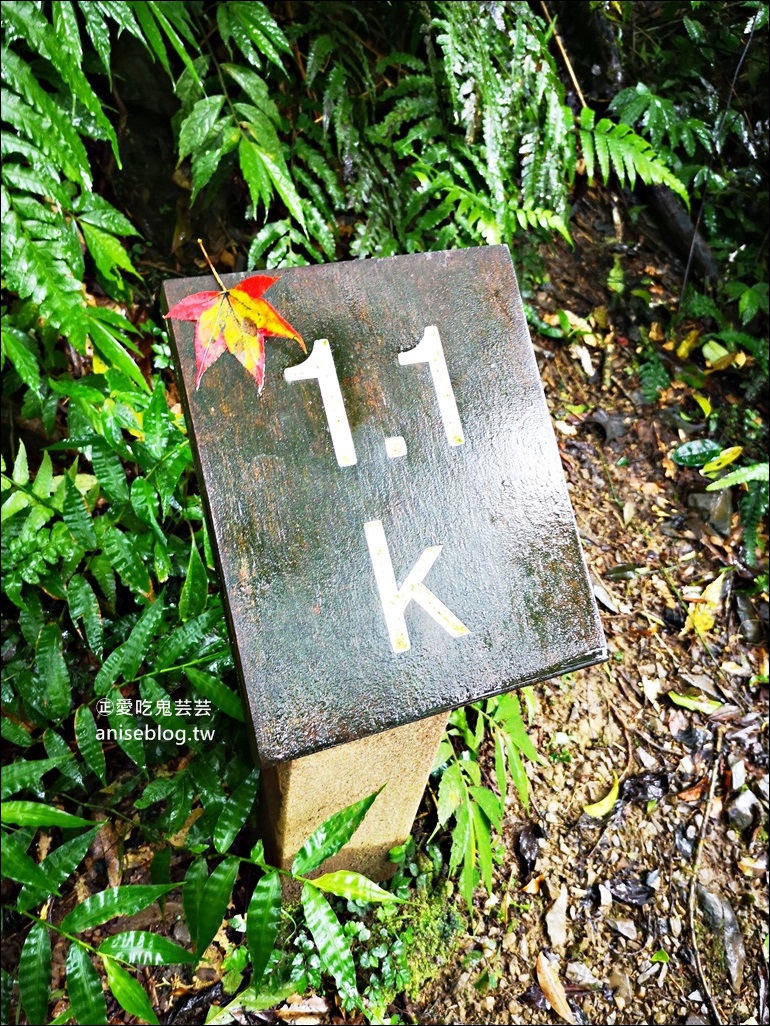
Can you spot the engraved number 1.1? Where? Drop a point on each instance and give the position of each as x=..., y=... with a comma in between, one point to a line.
x=320, y=366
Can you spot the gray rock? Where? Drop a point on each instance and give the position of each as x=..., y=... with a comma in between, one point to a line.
x=740, y=811
x=716, y=508
x=720, y=917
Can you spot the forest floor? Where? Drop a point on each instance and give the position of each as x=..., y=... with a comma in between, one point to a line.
x=657, y=912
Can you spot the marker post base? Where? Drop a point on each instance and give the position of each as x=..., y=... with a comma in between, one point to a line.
x=297, y=796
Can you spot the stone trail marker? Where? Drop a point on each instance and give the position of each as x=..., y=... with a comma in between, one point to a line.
x=391, y=524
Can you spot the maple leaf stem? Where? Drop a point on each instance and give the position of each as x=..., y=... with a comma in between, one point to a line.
x=213, y=269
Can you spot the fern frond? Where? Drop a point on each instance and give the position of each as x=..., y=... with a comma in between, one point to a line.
x=617, y=148
x=42, y=262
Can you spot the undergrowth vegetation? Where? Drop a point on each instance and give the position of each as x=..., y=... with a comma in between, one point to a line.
x=342, y=130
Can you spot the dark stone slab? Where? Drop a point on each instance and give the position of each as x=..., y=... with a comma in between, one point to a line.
x=328, y=649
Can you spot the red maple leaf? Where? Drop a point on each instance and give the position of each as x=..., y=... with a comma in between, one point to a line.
x=237, y=320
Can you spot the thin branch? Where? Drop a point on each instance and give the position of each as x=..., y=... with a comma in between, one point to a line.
x=716, y=1016
x=565, y=58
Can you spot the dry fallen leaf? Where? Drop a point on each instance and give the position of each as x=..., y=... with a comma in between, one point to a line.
x=552, y=987
x=605, y=805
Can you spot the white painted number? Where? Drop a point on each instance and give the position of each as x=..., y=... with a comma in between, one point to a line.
x=395, y=600
x=320, y=365
x=430, y=350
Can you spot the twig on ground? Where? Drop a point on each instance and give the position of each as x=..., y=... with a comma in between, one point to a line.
x=716, y=1016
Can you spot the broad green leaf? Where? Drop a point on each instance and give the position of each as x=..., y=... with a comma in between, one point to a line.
x=144, y=500
x=17, y=865
x=15, y=503
x=192, y=895
x=115, y=901
x=489, y=803
x=109, y=471
x=194, y=595
x=107, y=252
x=82, y=603
x=51, y=669
x=85, y=988
x=220, y=694
x=327, y=839
x=89, y=744
x=77, y=516
x=127, y=561
x=199, y=124
x=696, y=452
x=354, y=887
x=95, y=210
x=483, y=846
x=128, y=992
x=235, y=811
x=331, y=942
x=35, y=974
x=20, y=775
x=136, y=646
x=468, y=875
x=56, y=867
x=57, y=748
x=144, y=948
x=18, y=346
x=461, y=837
x=518, y=773
x=128, y=736
x=113, y=347
x=157, y=423
x=509, y=711
x=262, y=921
x=451, y=792
x=215, y=898
x=501, y=778
x=606, y=804
x=38, y=815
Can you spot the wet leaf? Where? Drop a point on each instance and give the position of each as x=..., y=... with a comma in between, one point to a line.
x=262, y=921
x=696, y=452
x=724, y=459
x=128, y=992
x=528, y=847
x=645, y=787
x=630, y=890
x=116, y=901
x=144, y=948
x=38, y=815
x=353, y=886
x=327, y=839
x=85, y=988
x=35, y=973
x=553, y=988
x=235, y=811
x=605, y=805
x=330, y=940
x=235, y=320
